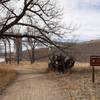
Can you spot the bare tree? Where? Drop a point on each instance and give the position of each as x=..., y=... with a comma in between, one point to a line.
x=28, y=52
x=41, y=15
x=3, y=1
x=5, y=45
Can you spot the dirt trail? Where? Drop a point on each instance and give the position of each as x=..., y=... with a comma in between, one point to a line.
x=30, y=86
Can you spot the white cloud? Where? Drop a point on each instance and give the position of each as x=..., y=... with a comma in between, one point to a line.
x=87, y=17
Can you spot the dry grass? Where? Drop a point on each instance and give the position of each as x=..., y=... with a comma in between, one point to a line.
x=25, y=64
x=6, y=77
x=78, y=85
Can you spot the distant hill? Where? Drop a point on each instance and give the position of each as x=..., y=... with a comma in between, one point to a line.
x=83, y=51
x=80, y=51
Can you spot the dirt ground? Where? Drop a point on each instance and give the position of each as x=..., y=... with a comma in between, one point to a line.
x=33, y=83
x=33, y=87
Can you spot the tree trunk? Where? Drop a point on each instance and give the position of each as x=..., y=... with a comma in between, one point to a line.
x=5, y=52
x=33, y=55
x=18, y=45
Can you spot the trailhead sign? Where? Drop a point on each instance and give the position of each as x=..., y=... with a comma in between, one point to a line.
x=94, y=61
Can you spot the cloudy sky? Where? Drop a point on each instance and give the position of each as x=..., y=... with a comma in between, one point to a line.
x=85, y=15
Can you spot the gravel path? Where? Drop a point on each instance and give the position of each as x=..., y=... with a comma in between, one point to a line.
x=33, y=87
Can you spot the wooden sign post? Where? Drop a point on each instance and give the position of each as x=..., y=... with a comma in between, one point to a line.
x=94, y=61
x=93, y=74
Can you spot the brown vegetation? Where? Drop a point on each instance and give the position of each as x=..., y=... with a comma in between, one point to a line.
x=78, y=85
x=6, y=77
x=24, y=65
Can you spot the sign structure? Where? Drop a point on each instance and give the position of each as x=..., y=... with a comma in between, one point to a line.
x=94, y=61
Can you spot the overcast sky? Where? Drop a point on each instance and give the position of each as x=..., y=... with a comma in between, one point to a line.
x=86, y=15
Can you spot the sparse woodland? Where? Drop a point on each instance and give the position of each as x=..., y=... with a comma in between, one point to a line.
x=35, y=21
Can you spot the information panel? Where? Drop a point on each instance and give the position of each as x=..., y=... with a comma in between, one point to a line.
x=94, y=60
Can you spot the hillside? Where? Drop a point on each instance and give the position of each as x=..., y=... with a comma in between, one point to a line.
x=80, y=51
x=83, y=51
